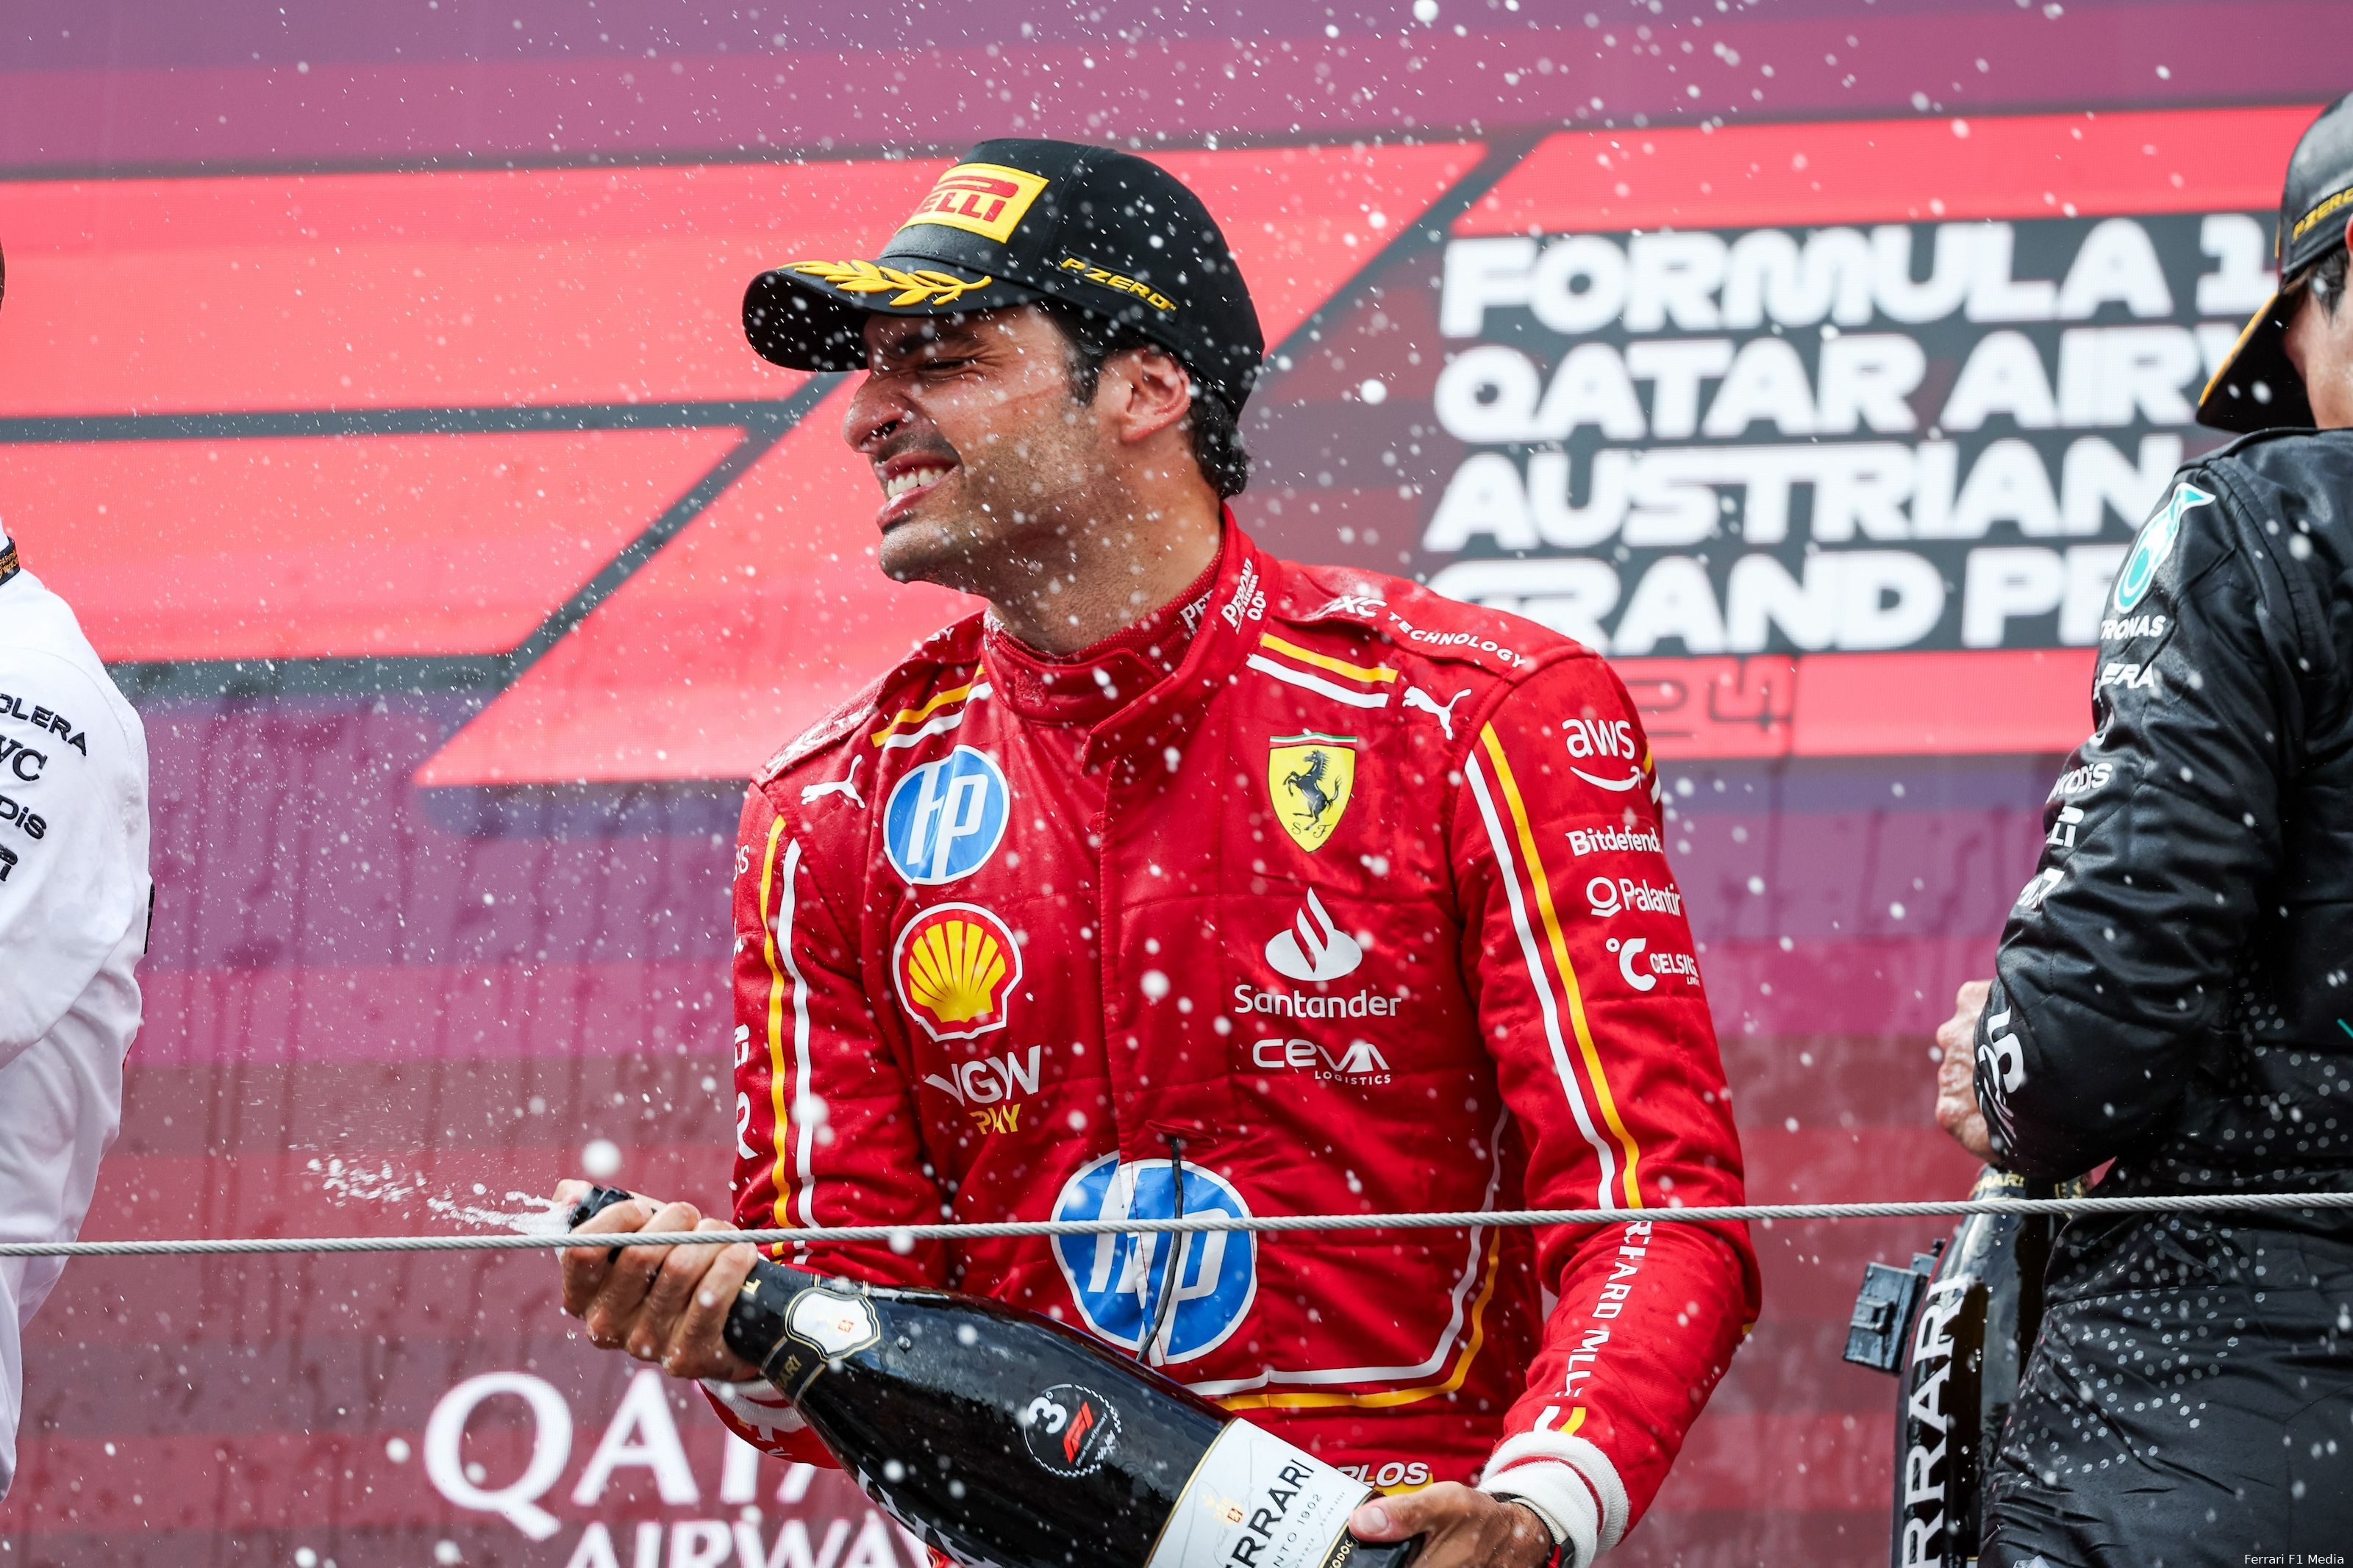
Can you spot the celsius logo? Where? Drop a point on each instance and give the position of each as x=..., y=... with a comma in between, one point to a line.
x=1634, y=957
x=1071, y=1429
x=1314, y=948
x=1116, y=1279
x=943, y=819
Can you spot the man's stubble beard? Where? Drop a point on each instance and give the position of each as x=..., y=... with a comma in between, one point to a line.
x=1018, y=521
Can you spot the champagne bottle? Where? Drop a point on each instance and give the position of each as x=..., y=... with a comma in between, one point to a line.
x=1959, y=1335
x=1002, y=1438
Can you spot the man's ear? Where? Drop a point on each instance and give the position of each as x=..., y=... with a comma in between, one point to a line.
x=1152, y=391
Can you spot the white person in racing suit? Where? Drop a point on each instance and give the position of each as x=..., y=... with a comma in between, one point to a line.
x=74, y=895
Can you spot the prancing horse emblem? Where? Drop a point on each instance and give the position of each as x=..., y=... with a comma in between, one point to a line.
x=1310, y=778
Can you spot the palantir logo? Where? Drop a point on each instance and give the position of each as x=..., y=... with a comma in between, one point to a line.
x=945, y=819
x=1117, y=1279
x=1314, y=948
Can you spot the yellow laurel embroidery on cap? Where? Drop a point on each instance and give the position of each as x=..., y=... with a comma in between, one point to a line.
x=921, y=287
x=986, y=199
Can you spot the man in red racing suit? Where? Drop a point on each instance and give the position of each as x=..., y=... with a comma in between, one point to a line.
x=1352, y=897
x=1187, y=878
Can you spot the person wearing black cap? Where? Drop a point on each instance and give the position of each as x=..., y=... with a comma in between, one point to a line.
x=74, y=893
x=1189, y=878
x=2173, y=990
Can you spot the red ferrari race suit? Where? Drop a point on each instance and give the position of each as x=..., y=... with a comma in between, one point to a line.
x=1360, y=900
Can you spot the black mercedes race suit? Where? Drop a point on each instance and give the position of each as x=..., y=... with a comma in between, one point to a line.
x=2175, y=993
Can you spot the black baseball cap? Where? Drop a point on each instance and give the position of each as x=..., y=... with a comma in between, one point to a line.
x=2257, y=387
x=1017, y=221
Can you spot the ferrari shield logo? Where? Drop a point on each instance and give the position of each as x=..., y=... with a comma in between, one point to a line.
x=1309, y=777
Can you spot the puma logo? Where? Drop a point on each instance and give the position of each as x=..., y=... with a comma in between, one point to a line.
x=1414, y=696
x=847, y=786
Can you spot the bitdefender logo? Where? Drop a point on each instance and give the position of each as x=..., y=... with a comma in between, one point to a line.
x=1314, y=948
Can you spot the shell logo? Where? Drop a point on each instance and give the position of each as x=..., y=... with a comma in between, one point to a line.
x=955, y=966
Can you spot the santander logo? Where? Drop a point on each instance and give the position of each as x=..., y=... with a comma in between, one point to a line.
x=1314, y=948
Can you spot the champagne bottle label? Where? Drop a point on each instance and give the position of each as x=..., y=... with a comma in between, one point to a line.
x=1255, y=1502
x=794, y=1334
x=833, y=1320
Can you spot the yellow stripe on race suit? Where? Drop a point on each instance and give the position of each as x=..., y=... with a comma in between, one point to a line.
x=1388, y=1398
x=783, y=1207
x=917, y=715
x=1559, y=945
x=1376, y=673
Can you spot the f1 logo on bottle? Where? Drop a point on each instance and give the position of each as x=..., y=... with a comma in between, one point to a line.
x=1116, y=1279
x=1071, y=1429
x=945, y=819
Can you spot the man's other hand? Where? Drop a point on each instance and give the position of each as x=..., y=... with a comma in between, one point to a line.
x=1957, y=1071
x=1464, y=1529
x=664, y=1304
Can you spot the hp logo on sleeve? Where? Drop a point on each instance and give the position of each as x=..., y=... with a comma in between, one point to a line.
x=945, y=819
x=1116, y=1279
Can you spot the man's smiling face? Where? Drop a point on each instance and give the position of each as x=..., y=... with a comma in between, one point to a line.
x=971, y=429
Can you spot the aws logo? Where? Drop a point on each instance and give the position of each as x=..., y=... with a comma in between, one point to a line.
x=1608, y=744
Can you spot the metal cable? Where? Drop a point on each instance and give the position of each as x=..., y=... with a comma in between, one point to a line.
x=906, y=1234
x=1174, y=1267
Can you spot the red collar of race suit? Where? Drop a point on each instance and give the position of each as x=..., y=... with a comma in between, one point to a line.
x=1139, y=675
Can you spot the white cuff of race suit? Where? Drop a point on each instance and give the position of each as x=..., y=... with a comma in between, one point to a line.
x=757, y=1405
x=1569, y=1483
